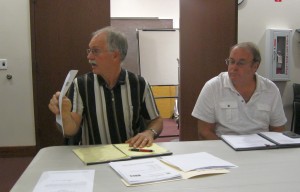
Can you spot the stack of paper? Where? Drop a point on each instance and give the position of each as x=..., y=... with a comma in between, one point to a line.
x=197, y=161
x=116, y=152
x=170, y=168
x=281, y=139
x=262, y=140
x=247, y=142
x=144, y=171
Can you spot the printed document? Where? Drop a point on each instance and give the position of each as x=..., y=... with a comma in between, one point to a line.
x=68, y=81
x=72, y=180
x=144, y=171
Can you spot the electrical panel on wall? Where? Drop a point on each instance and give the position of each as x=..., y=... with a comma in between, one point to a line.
x=278, y=54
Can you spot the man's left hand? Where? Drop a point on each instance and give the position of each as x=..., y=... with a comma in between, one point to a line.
x=144, y=139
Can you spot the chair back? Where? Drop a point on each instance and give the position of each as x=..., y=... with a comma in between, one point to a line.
x=296, y=109
x=296, y=89
x=297, y=117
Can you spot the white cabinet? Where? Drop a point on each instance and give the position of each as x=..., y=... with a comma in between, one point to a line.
x=278, y=54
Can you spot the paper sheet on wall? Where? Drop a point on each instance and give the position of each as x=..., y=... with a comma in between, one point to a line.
x=68, y=81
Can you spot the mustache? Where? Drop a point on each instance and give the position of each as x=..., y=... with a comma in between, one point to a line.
x=92, y=62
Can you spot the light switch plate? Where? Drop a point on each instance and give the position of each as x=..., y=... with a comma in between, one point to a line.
x=3, y=64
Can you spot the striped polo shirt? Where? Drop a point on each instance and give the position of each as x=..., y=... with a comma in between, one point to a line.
x=111, y=115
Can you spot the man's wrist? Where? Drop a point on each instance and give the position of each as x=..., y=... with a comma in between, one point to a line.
x=155, y=133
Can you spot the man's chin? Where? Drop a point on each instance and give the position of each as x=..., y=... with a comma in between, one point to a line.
x=232, y=75
x=233, y=78
x=95, y=71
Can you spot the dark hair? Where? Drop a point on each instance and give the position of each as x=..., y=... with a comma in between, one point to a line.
x=115, y=40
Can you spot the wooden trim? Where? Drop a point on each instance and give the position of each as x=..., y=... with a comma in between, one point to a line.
x=18, y=151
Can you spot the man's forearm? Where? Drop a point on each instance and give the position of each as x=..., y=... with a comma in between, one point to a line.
x=277, y=129
x=207, y=131
x=208, y=136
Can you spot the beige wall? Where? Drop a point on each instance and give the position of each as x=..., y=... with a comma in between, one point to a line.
x=255, y=16
x=16, y=98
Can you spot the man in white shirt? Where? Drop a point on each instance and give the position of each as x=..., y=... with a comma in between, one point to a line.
x=239, y=101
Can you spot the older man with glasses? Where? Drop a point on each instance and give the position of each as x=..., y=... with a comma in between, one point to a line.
x=239, y=101
x=109, y=104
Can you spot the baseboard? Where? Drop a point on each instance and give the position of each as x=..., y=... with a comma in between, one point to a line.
x=25, y=151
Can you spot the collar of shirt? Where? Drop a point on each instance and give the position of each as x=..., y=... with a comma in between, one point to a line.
x=121, y=80
x=260, y=85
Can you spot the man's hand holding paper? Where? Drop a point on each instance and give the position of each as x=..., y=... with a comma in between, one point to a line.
x=60, y=104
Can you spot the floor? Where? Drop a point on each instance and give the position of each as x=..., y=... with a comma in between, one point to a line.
x=170, y=131
x=10, y=171
x=12, y=168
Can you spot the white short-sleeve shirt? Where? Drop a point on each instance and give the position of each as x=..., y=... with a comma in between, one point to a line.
x=220, y=103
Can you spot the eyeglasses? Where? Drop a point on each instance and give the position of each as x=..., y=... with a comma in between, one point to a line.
x=238, y=63
x=95, y=51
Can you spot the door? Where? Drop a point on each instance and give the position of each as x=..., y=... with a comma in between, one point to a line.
x=208, y=28
x=61, y=30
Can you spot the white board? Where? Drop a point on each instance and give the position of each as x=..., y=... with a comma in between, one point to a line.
x=158, y=56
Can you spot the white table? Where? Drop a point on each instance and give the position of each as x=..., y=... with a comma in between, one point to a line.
x=259, y=171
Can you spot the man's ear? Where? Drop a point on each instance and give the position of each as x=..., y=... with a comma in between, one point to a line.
x=256, y=65
x=116, y=55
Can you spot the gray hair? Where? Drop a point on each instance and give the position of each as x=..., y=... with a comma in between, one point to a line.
x=115, y=40
x=252, y=48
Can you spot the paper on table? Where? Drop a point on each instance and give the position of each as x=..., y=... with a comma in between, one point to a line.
x=68, y=81
x=151, y=171
x=102, y=153
x=280, y=138
x=246, y=141
x=194, y=161
x=141, y=184
x=72, y=180
x=154, y=147
x=115, y=152
x=190, y=174
x=184, y=175
x=144, y=171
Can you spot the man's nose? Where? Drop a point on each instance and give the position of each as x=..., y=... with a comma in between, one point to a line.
x=234, y=66
x=90, y=56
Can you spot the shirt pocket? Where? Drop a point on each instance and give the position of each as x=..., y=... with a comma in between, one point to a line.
x=262, y=112
x=229, y=111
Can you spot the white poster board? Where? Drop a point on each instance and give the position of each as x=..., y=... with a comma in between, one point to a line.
x=159, y=55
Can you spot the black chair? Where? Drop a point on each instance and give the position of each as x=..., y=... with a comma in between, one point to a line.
x=296, y=109
x=296, y=115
